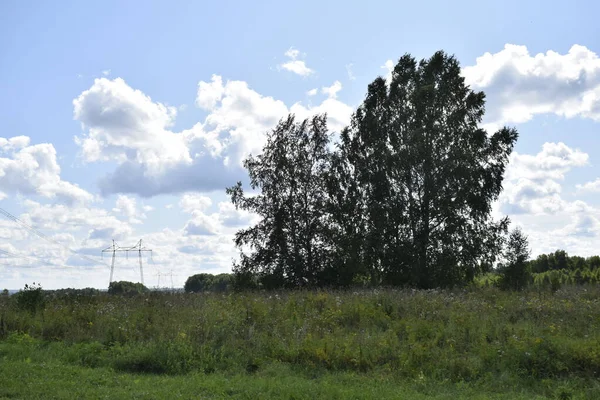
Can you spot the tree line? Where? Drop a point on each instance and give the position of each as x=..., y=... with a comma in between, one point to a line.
x=402, y=197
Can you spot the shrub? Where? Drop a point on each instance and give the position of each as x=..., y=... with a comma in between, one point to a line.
x=31, y=298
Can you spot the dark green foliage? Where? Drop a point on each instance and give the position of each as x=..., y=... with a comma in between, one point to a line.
x=198, y=283
x=560, y=260
x=290, y=244
x=404, y=200
x=31, y=298
x=126, y=288
x=514, y=272
x=416, y=178
x=208, y=282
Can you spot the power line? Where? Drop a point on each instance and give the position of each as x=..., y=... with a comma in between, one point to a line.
x=41, y=235
x=14, y=255
x=114, y=248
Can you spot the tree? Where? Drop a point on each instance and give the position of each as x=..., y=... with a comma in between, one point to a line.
x=126, y=288
x=289, y=246
x=514, y=273
x=207, y=282
x=426, y=176
x=198, y=283
x=593, y=262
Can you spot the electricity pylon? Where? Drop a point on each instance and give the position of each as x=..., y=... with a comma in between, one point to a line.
x=115, y=247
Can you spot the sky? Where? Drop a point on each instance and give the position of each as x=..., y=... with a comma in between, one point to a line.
x=126, y=121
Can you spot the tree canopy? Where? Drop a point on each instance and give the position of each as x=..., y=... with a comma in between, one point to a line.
x=404, y=198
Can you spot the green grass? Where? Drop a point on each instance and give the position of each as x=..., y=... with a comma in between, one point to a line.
x=43, y=375
x=479, y=343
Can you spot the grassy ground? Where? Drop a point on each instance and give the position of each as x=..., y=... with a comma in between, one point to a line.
x=367, y=344
x=44, y=375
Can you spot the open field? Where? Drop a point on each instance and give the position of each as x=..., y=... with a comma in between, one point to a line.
x=479, y=343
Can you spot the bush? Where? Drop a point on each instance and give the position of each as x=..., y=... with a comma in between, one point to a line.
x=31, y=298
x=126, y=288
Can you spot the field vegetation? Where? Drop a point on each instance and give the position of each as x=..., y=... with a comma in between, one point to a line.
x=472, y=341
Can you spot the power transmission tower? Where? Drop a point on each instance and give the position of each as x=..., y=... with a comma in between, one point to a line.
x=158, y=275
x=137, y=247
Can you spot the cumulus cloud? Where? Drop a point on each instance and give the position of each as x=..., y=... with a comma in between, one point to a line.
x=34, y=170
x=127, y=206
x=201, y=224
x=593, y=186
x=97, y=222
x=192, y=202
x=294, y=64
x=331, y=91
x=531, y=183
x=312, y=92
x=125, y=126
x=338, y=113
x=519, y=85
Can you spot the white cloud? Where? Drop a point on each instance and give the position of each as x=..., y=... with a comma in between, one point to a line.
x=552, y=162
x=98, y=223
x=331, y=91
x=312, y=92
x=389, y=68
x=192, y=202
x=519, y=86
x=292, y=53
x=338, y=113
x=531, y=181
x=202, y=224
x=125, y=126
x=593, y=186
x=209, y=93
x=349, y=72
x=126, y=205
x=106, y=72
x=34, y=170
x=230, y=217
x=294, y=65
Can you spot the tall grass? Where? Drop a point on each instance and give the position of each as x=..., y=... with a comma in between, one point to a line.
x=461, y=335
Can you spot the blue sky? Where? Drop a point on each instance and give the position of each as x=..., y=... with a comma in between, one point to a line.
x=128, y=119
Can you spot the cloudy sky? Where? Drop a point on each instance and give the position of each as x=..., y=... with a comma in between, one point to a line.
x=127, y=120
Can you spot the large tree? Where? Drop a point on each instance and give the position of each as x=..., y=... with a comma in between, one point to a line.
x=290, y=244
x=426, y=175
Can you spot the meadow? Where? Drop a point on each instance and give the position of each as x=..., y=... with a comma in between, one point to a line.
x=367, y=343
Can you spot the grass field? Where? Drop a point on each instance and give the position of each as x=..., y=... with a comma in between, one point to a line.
x=479, y=343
